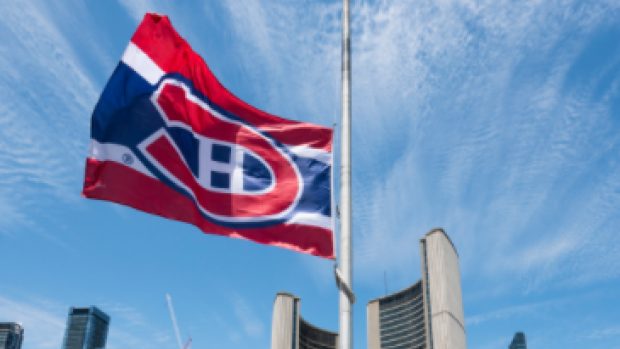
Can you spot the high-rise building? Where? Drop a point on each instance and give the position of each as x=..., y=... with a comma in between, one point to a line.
x=518, y=342
x=429, y=314
x=290, y=331
x=11, y=335
x=87, y=328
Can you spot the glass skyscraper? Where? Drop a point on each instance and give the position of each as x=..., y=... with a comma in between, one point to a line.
x=87, y=328
x=429, y=314
x=11, y=335
x=518, y=342
x=290, y=331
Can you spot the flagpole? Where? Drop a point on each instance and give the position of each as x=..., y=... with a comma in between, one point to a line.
x=345, y=267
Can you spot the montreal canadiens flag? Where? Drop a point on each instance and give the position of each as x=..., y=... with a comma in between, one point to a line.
x=168, y=139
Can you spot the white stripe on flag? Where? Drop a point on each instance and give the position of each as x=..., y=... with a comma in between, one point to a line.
x=314, y=219
x=142, y=64
x=117, y=153
x=123, y=155
x=305, y=151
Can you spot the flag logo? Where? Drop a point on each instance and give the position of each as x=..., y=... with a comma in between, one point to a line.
x=230, y=177
x=168, y=139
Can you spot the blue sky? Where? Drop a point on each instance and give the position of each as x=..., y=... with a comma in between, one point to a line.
x=497, y=120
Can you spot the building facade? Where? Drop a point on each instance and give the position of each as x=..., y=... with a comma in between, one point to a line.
x=87, y=328
x=290, y=331
x=518, y=342
x=11, y=335
x=429, y=314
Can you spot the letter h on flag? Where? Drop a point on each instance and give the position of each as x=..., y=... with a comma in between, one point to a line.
x=168, y=139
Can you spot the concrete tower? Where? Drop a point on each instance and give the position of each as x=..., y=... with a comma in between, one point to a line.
x=429, y=314
x=290, y=331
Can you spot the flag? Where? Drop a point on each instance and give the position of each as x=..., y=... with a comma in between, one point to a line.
x=168, y=139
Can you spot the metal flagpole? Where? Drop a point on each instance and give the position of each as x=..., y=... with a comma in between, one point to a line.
x=346, y=297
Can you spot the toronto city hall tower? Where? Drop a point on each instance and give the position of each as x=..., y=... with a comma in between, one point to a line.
x=429, y=314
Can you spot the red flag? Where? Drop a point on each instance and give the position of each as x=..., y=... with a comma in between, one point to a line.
x=168, y=139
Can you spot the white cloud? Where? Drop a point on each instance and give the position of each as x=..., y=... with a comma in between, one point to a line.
x=42, y=328
x=608, y=332
x=497, y=342
x=463, y=118
x=130, y=328
x=9, y=216
x=296, y=48
x=233, y=334
x=470, y=160
x=45, y=320
x=138, y=8
x=45, y=101
x=129, y=315
x=251, y=323
x=511, y=312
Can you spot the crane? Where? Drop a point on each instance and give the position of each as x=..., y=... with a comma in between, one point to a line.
x=174, y=321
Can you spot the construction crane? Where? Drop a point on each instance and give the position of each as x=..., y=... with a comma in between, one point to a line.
x=174, y=321
x=188, y=342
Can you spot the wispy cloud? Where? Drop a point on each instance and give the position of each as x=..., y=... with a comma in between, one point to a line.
x=45, y=101
x=268, y=49
x=45, y=322
x=530, y=310
x=45, y=329
x=233, y=334
x=138, y=8
x=497, y=342
x=129, y=315
x=477, y=116
x=608, y=332
x=132, y=329
x=251, y=323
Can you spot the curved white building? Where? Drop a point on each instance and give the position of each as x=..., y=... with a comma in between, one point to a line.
x=290, y=331
x=429, y=314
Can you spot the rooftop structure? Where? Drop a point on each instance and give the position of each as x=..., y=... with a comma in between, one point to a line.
x=429, y=314
x=518, y=342
x=87, y=328
x=290, y=331
x=11, y=335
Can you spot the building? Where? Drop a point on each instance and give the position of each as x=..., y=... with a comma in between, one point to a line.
x=87, y=328
x=429, y=314
x=518, y=342
x=11, y=335
x=290, y=331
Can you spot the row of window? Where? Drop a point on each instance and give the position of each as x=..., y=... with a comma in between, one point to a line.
x=400, y=298
x=399, y=308
x=305, y=343
x=399, y=318
x=412, y=346
x=295, y=307
x=316, y=335
x=99, y=334
x=405, y=334
x=412, y=326
x=414, y=308
x=406, y=343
